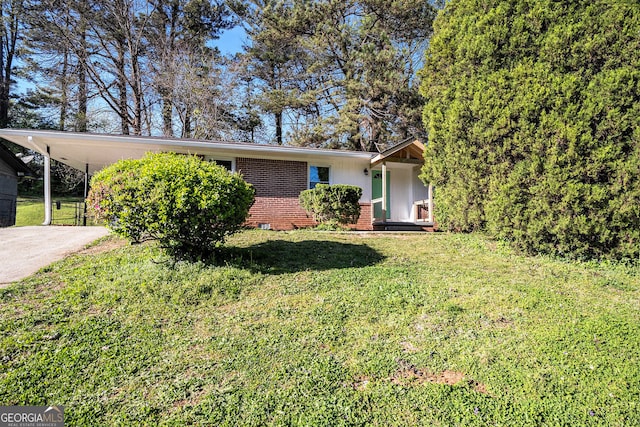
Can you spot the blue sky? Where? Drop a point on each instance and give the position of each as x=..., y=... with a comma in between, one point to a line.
x=230, y=42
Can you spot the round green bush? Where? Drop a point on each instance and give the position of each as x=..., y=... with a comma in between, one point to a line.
x=332, y=205
x=190, y=206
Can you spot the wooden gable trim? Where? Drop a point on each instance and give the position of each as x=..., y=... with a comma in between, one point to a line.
x=404, y=160
x=407, y=152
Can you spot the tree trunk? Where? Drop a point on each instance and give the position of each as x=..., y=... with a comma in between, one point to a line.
x=122, y=89
x=8, y=40
x=278, y=116
x=64, y=97
x=167, y=112
x=81, y=117
x=136, y=93
x=186, y=127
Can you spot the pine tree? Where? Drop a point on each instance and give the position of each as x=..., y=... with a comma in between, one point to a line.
x=345, y=71
x=57, y=67
x=12, y=16
x=182, y=64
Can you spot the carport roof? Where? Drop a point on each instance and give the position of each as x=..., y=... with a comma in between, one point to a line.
x=96, y=151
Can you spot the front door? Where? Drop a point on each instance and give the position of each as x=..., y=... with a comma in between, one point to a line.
x=376, y=193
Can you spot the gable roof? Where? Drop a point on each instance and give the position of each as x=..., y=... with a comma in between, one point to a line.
x=14, y=163
x=100, y=150
x=410, y=151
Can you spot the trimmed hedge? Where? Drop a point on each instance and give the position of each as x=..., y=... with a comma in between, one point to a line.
x=332, y=205
x=533, y=113
x=190, y=206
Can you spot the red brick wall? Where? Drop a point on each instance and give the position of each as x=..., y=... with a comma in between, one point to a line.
x=278, y=184
x=274, y=178
x=280, y=213
x=365, y=221
x=286, y=214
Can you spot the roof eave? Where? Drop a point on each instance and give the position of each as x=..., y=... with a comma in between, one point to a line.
x=68, y=138
x=391, y=151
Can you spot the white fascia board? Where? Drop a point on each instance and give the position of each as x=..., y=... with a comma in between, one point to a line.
x=40, y=139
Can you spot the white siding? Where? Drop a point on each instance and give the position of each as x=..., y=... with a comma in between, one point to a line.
x=401, y=192
x=406, y=188
x=351, y=172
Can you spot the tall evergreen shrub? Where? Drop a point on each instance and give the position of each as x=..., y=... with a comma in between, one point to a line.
x=533, y=114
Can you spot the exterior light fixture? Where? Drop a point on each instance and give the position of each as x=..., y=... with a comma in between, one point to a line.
x=366, y=172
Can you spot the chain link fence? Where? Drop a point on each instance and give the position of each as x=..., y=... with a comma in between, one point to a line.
x=68, y=213
x=64, y=211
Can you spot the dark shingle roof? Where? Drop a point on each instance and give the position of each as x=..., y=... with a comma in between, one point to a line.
x=15, y=163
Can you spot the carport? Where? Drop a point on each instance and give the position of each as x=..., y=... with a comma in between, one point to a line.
x=11, y=169
x=91, y=152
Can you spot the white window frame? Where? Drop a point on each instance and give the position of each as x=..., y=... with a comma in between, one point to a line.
x=317, y=166
x=223, y=159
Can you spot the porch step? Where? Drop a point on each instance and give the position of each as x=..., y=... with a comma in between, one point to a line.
x=402, y=226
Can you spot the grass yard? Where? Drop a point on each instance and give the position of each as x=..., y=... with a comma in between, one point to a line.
x=309, y=328
x=30, y=211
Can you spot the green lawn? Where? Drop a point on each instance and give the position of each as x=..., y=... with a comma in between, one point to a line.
x=309, y=328
x=30, y=211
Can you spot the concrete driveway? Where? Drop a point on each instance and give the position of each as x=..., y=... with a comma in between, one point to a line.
x=25, y=250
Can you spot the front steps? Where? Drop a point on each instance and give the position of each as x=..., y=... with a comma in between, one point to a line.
x=403, y=226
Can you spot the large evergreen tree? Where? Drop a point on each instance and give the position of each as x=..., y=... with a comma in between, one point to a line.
x=137, y=58
x=342, y=71
x=12, y=20
x=55, y=53
x=274, y=58
x=533, y=114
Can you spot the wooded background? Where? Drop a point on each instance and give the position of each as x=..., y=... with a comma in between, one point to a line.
x=323, y=73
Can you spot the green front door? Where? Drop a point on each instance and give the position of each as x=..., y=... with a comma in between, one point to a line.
x=376, y=193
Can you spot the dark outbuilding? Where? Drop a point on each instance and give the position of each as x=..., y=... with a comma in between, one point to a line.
x=11, y=168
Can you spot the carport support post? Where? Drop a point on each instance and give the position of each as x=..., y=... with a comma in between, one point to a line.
x=86, y=193
x=384, y=192
x=47, y=187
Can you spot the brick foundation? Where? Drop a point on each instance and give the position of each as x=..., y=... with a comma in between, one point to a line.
x=278, y=184
x=365, y=221
x=286, y=214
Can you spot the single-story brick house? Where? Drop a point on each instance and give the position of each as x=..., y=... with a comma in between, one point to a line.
x=11, y=168
x=393, y=195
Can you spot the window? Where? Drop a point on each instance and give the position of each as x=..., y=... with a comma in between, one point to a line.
x=318, y=175
x=227, y=164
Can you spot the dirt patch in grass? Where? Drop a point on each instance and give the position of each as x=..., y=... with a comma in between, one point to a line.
x=361, y=383
x=479, y=387
x=408, y=347
x=106, y=245
x=409, y=374
x=192, y=400
x=414, y=375
x=502, y=322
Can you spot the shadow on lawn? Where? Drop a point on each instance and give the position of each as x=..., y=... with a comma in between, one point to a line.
x=279, y=257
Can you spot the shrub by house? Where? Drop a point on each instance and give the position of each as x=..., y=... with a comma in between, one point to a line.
x=190, y=206
x=332, y=205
